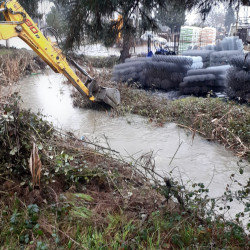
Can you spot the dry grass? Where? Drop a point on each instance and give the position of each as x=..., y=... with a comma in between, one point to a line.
x=14, y=66
x=215, y=119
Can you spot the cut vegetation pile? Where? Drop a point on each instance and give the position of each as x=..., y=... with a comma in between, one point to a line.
x=55, y=192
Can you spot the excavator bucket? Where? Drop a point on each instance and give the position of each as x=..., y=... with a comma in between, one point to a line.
x=110, y=96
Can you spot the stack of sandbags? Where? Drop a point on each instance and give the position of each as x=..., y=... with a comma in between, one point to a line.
x=207, y=36
x=189, y=37
x=160, y=71
x=201, y=81
x=238, y=79
x=220, y=54
x=166, y=72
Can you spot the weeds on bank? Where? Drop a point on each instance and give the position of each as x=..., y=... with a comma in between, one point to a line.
x=107, y=62
x=215, y=119
x=101, y=62
x=223, y=121
x=89, y=200
x=15, y=65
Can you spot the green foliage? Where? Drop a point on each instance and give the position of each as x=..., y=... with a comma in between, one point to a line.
x=55, y=19
x=31, y=7
x=140, y=102
x=20, y=224
x=173, y=16
x=86, y=203
x=230, y=17
x=18, y=128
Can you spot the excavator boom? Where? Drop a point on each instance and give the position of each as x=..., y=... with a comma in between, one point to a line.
x=19, y=24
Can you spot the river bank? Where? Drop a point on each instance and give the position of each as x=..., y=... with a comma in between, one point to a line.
x=78, y=198
x=219, y=120
x=16, y=63
x=74, y=197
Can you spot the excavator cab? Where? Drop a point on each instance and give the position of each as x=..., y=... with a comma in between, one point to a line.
x=19, y=24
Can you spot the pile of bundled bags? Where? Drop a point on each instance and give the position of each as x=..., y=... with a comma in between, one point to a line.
x=201, y=81
x=219, y=54
x=228, y=70
x=159, y=71
x=238, y=79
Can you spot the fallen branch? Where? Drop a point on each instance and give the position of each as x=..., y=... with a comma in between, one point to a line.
x=191, y=129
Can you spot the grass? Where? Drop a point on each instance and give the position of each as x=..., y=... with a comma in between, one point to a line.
x=55, y=228
x=223, y=121
x=15, y=64
x=89, y=200
x=5, y=51
x=96, y=61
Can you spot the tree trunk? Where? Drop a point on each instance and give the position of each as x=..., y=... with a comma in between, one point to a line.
x=125, y=46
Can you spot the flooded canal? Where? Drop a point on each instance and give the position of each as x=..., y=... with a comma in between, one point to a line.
x=198, y=160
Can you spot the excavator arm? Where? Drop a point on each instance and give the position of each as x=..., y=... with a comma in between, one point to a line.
x=19, y=24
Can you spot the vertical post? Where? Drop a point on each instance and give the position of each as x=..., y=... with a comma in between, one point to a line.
x=149, y=43
x=7, y=43
x=237, y=18
x=175, y=44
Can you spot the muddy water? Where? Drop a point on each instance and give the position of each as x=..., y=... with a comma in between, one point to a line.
x=198, y=160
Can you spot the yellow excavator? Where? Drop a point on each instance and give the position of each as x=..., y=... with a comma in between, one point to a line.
x=19, y=24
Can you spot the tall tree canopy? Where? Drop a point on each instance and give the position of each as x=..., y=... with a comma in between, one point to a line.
x=31, y=7
x=55, y=18
x=172, y=16
x=216, y=17
x=92, y=18
x=229, y=18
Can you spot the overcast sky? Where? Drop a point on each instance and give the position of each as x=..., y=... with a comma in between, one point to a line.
x=193, y=16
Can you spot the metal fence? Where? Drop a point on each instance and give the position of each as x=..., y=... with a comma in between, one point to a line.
x=179, y=44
